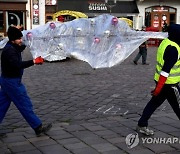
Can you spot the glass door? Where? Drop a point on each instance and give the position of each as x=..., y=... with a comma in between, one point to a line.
x=159, y=20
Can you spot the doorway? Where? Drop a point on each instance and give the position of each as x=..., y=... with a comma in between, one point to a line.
x=159, y=20
x=159, y=17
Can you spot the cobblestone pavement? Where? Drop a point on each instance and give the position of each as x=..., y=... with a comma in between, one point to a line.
x=92, y=111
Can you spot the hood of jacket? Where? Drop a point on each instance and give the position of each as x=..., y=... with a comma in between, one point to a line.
x=174, y=33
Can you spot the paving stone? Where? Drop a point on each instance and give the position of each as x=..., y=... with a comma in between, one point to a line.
x=4, y=149
x=84, y=134
x=116, y=140
x=143, y=151
x=175, y=134
x=104, y=147
x=30, y=152
x=95, y=128
x=43, y=142
x=87, y=150
x=12, y=139
x=114, y=152
x=76, y=146
x=105, y=133
x=174, y=152
x=21, y=147
x=93, y=140
x=159, y=148
x=176, y=146
x=166, y=120
x=74, y=128
x=166, y=128
x=55, y=149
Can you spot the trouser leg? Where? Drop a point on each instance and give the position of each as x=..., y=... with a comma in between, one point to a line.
x=17, y=92
x=4, y=104
x=174, y=99
x=152, y=105
x=137, y=56
x=144, y=55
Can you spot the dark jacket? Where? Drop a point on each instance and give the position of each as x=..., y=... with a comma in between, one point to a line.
x=171, y=53
x=12, y=65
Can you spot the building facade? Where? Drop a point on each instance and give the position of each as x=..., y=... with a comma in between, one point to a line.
x=32, y=13
x=155, y=13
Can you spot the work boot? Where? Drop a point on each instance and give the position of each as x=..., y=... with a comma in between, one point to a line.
x=144, y=130
x=2, y=135
x=135, y=62
x=42, y=129
x=145, y=63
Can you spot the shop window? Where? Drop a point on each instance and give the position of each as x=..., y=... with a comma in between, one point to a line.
x=49, y=17
x=50, y=10
x=148, y=19
x=172, y=10
x=1, y=21
x=16, y=18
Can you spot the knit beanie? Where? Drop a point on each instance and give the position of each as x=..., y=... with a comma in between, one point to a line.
x=14, y=33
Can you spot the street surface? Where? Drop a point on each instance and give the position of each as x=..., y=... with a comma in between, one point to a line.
x=92, y=111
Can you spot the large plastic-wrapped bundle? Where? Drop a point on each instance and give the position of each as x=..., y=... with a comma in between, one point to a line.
x=103, y=41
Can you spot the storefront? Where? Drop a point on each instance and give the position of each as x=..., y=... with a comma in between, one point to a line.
x=157, y=15
x=160, y=16
x=12, y=12
x=92, y=8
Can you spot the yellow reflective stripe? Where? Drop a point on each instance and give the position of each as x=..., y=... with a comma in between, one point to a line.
x=159, y=64
x=170, y=75
x=174, y=67
x=158, y=72
x=174, y=75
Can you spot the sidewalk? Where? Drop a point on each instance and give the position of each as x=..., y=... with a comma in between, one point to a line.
x=92, y=111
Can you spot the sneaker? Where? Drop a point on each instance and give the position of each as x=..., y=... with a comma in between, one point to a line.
x=144, y=130
x=42, y=129
x=135, y=62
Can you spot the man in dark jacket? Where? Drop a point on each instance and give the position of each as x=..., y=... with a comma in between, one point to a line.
x=167, y=78
x=12, y=88
x=142, y=51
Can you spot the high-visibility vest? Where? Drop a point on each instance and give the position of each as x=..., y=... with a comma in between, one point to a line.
x=174, y=75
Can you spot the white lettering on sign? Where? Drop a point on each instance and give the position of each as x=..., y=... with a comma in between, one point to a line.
x=97, y=6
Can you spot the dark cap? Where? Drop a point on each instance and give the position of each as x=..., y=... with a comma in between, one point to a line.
x=14, y=33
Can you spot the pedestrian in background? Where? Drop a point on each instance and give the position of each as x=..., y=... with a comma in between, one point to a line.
x=167, y=78
x=142, y=51
x=12, y=89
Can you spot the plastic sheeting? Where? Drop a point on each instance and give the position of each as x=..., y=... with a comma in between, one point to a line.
x=103, y=41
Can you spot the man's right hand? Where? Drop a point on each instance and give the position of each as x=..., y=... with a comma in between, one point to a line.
x=38, y=60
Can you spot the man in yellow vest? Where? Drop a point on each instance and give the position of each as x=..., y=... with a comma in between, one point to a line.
x=167, y=77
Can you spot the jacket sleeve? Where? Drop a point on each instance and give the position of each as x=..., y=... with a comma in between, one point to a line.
x=170, y=58
x=15, y=60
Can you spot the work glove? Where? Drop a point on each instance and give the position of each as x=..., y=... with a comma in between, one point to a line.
x=160, y=84
x=38, y=60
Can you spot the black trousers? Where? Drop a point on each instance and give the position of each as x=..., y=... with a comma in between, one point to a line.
x=169, y=92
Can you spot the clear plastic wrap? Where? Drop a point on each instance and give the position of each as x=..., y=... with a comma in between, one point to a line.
x=103, y=41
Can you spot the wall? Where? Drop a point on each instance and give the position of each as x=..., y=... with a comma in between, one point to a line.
x=41, y=14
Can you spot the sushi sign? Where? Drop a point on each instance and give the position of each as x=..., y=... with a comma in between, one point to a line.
x=97, y=6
